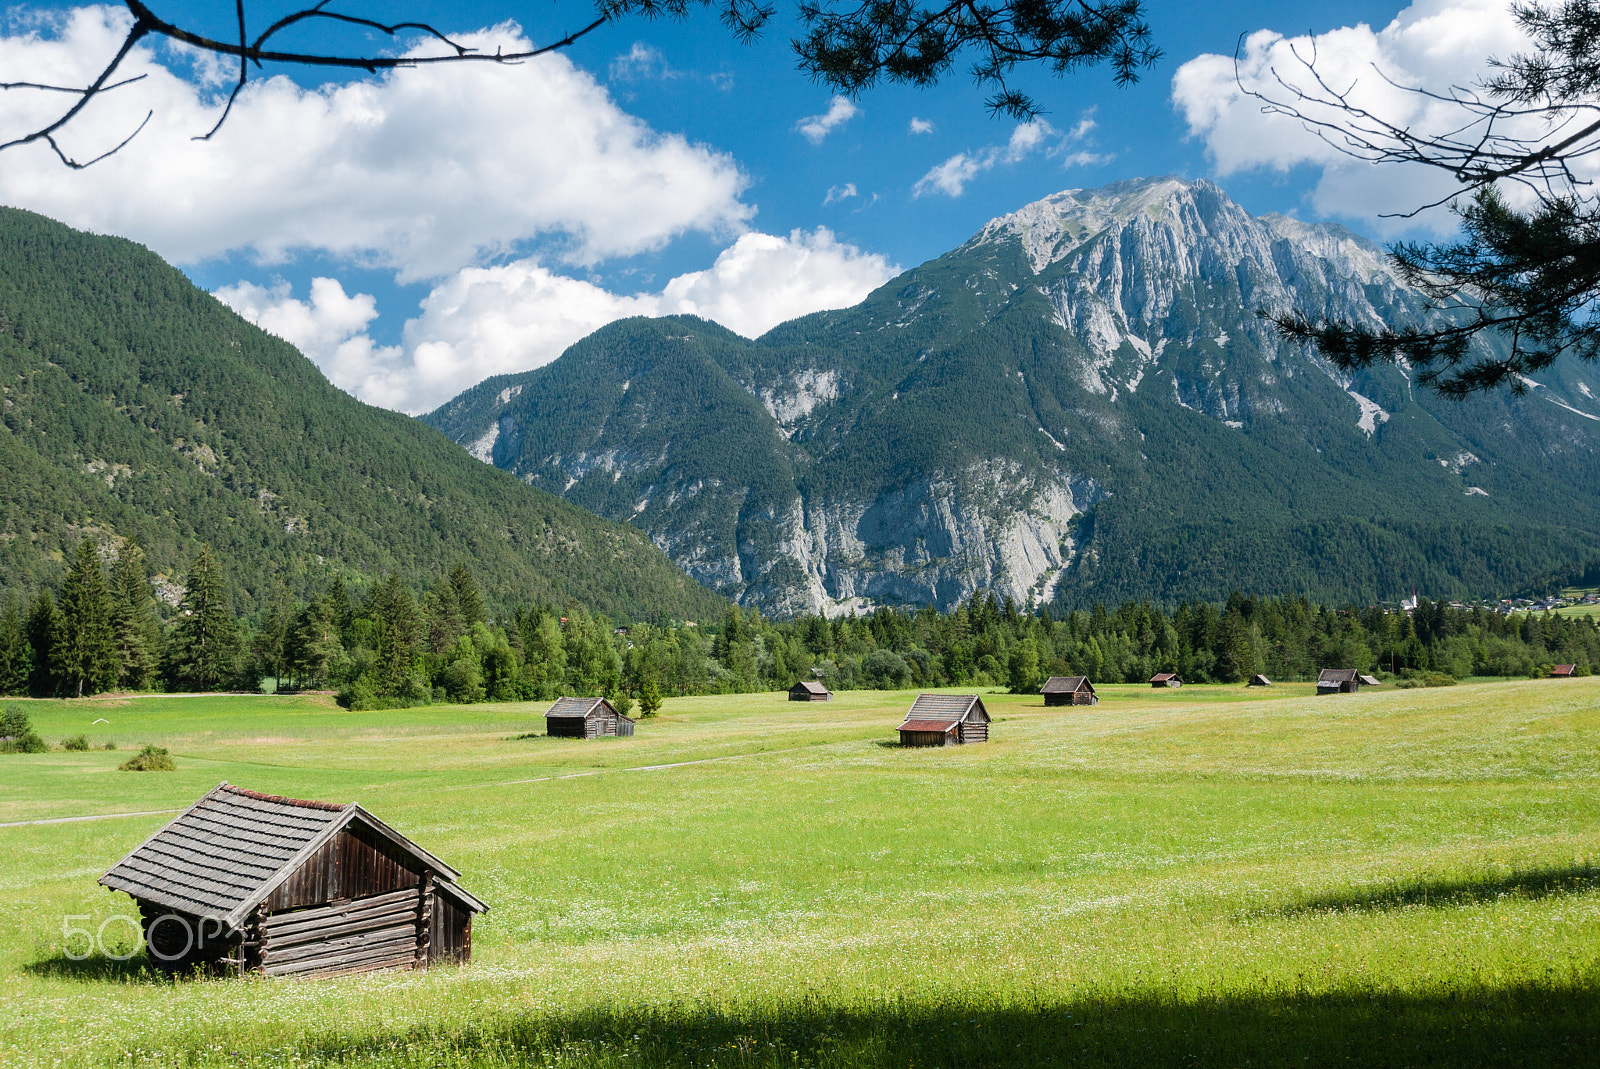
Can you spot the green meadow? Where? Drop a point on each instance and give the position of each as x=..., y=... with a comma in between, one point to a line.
x=1202, y=877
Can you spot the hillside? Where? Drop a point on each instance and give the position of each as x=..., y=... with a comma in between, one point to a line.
x=137, y=406
x=1077, y=405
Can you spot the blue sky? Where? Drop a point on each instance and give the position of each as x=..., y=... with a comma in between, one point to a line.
x=465, y=223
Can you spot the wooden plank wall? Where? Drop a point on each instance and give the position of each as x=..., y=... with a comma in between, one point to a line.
x=349, y=866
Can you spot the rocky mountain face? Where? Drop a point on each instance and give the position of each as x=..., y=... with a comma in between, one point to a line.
x=1079, y=404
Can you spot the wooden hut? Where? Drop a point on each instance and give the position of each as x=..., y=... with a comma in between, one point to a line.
x=945, y=720
x=1370, y=681
x=1338, y=681
x=1166, y=679
x=257, y=883
x=1069, y=690
x=809, y=690
x=1564, y=671
x=1259, y=680
x=586, y=718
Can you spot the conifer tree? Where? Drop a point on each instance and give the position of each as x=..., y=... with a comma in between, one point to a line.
x=270, y=644
x=44, y=622
x=395, y=614
x=85, y=651
x=16, y=656
x=314, y=643
x=205, y=644
x=135, y=628
x=469, y=602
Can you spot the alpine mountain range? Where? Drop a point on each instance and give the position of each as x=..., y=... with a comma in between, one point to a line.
x=1079, y=404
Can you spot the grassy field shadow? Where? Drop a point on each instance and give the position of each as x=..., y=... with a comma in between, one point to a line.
x=98, y=969
x=1553, y=1025
x=1547, y=882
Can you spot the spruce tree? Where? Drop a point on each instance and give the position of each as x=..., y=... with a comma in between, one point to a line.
x=469, y=602
x=314, y=643
x=44, y=623
x=135, y=627
x=395, y=614
x=16, y=656
x=85, y=651
x=205, y=644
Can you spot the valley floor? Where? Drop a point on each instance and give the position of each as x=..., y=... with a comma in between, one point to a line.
x=1208, y=876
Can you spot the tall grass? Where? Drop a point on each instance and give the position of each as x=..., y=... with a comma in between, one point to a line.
x=1204, y=877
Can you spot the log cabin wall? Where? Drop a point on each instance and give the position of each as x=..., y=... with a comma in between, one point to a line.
x=451, y=937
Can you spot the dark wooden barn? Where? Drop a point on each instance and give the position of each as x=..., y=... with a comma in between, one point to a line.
x=1564, y=671
x=1069, y=690
x=256, y=883
x=586, y=718
x=809, y=690
x=1166, y=679
x=945, y=720
x=1338, y=681
x=1259, y=680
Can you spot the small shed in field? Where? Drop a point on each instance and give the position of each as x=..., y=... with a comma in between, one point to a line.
x=1166, y=679
x=259, y=883
x=945, y=720
x=1069, y=690
x=1338, y=681
x=809, y=690
x=1259, y=680
x=1564, y=671
x=585, y=718
x=1370, y=681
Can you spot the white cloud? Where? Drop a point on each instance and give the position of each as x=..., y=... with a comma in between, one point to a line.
x=763, y=280
x=951, y=176
x=816, y=127
x=425, y=170
x=920, y=126
x=642, y=62
x=838, y=193
x=1433, y=44
x=488, y=321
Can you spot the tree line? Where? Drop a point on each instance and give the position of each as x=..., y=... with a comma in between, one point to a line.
x=381, y=643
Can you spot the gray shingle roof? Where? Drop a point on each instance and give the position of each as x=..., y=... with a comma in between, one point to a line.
x=944, y=708
x=811, y=686
x=1337, y=675
x=1064, y=685
x=226, y=853
x=579, y=707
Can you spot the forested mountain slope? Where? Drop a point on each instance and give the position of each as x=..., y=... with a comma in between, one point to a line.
x=1079, y=404
x=137, y=406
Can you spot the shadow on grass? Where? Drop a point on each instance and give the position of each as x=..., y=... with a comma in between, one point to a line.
x=95, y=968
x=1546, y=882
x=1553, y=1025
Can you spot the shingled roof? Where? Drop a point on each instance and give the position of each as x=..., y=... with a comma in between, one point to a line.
x=1338, y=675
x=226, y=853
x=578, y=707
x=941, y=712
x=811, y=686
x=1065, y=685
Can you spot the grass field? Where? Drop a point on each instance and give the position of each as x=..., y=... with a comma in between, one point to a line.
x=1208, y=876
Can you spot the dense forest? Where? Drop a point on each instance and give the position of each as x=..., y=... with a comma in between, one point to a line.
x=136, y=407
x=383, y=643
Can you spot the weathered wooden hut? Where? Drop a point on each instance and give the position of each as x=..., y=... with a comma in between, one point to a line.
x=1259, y=680
x=810, y=690
x=585, y=718
x=1370, y=681
x=254, y=882
x=1069, y=690
x=1166, y=679
x=945, y=720
x=1564, y=671
x=1338, y=681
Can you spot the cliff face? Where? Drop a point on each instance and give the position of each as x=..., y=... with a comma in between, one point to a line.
x=1079, y=404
